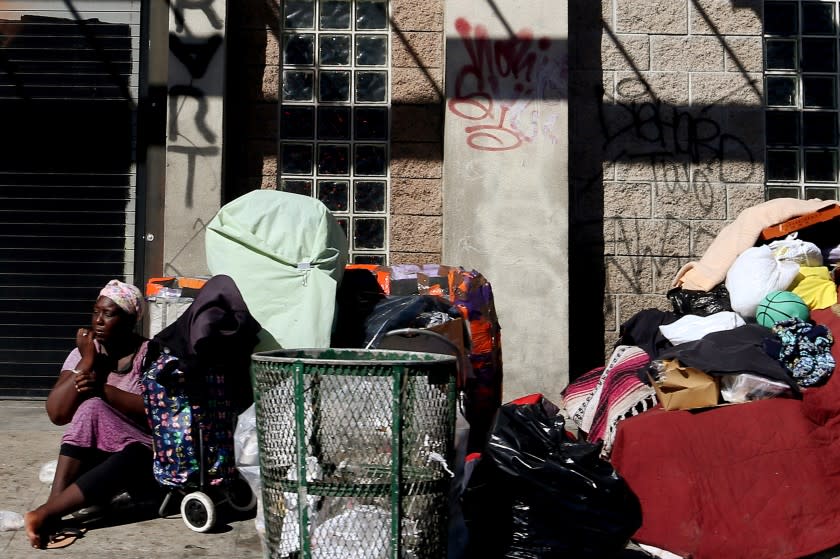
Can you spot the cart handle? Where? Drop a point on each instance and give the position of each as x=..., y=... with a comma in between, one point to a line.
x=457, y=353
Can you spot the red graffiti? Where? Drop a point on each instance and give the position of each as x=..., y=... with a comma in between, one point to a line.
x=497, y=69
x=493, y=137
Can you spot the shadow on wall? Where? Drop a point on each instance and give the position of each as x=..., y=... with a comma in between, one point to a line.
x=253, y=122
x=684, y=150
x=586, y=200
x=640, y=132
x=634, y=140
x=248, y=108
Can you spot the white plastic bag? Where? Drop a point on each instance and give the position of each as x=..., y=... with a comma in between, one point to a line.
x=246, y=452
x=47, y=472
x=796, y=250
x=746, y=387
x=754, y=274
x=10, y=521
x=245, y=446
x=350, y=534
x=290, y=534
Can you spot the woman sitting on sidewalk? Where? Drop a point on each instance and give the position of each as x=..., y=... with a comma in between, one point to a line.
x=106, y=449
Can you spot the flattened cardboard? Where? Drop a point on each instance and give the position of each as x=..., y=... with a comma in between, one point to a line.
x=685, y=388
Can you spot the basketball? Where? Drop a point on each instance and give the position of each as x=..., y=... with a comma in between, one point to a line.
x=781, y=305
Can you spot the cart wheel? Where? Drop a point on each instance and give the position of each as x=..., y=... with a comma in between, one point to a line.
x=198, y=512
x=240, y=496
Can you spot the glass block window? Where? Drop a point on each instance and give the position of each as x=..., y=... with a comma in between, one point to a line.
x=334, y=117
x=802, y=67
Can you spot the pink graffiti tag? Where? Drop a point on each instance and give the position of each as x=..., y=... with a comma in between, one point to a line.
x=497, y=68
x=493, y=137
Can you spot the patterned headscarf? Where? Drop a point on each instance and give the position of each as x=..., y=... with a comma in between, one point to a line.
x=125, y=295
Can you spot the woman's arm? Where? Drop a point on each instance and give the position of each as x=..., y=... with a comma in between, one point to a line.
x=63, y=400
x=87, y=380
x=73, y=386
x=129, y=403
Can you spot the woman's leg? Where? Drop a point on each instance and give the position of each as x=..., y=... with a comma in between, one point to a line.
x=64, y=502
x=65, y=495
x=73, y=461
x=95, y=483
x=126, y=470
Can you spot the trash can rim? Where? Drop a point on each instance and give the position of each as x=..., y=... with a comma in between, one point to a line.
x=399, y=357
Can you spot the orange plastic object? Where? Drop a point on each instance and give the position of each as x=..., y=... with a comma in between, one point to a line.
x=154, y=285
x=196, y=283
x=481, y=332
x=383, y=274
x=369, y=267
x=801, y=222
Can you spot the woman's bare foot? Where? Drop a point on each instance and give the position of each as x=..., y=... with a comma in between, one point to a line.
x=33, y=522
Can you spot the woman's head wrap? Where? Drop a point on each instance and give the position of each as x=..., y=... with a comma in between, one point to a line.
x=126, y=296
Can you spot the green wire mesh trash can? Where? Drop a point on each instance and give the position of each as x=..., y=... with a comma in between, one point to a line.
x=355, y=448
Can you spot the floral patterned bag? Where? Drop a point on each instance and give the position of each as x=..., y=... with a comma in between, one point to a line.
x=191, y=419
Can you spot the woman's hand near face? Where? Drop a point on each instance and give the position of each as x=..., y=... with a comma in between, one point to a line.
x=85, y=382
x=110, y=332
x=86, y=345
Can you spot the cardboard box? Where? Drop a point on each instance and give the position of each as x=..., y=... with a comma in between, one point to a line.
x=685, y=388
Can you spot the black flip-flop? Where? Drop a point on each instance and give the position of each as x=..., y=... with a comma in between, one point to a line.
x=64, y=537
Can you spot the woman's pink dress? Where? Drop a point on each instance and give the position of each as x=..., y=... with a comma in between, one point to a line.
x=96, y=424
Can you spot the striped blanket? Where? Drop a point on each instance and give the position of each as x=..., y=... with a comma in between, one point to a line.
x=602, y=397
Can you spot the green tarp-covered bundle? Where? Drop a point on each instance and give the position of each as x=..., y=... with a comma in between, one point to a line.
x=286, y=253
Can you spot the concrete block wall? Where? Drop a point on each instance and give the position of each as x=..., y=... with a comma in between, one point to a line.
x=416, y=204
x=666, y=146
x=416, y=150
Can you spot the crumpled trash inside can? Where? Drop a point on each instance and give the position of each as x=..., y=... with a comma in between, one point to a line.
x=348, y=535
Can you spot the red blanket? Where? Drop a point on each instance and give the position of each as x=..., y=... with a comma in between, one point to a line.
x=758, y=480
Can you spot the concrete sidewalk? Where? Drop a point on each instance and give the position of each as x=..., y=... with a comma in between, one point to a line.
x=28, y=440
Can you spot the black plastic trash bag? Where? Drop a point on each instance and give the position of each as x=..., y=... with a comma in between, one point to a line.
x=406, y=311
x=701, y=303
x=537, y=493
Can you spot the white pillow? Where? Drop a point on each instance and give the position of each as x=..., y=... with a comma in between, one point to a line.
x=754, y=274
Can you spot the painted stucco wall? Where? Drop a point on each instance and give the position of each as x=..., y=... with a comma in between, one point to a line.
x=193, y=189
x=505, y=203
x=667, y=147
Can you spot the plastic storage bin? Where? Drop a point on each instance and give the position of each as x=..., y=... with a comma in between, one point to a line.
x=356, y=447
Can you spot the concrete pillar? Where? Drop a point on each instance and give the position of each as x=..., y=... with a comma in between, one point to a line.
x=505, y=175
x=194, y=131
